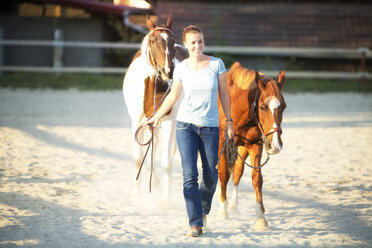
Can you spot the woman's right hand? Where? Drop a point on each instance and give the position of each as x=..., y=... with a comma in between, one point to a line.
x=151, y=123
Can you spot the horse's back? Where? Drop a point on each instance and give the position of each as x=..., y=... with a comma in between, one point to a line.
x=243, y=78
x=180, y=53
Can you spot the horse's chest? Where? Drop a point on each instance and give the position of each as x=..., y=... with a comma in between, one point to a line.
x=250, y=135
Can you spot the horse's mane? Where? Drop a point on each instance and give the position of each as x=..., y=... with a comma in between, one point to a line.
x=144, y=44
x=244, y=77
x=180, y=52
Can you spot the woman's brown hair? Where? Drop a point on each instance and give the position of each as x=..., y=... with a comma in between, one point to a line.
x=190, y=29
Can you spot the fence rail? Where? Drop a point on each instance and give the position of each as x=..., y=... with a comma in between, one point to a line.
x=122, y=71
x=334, y=53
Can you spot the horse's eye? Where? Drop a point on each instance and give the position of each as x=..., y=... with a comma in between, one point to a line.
x=262, y=108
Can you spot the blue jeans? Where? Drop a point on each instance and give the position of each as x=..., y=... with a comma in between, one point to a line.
x=190, y=140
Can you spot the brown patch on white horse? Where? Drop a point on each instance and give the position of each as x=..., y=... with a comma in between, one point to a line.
x=152, y=96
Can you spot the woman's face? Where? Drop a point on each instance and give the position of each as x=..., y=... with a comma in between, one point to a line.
x=194, y=42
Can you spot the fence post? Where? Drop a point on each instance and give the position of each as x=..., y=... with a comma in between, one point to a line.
x=363, y=51
x=1, y=51
x=58, y=50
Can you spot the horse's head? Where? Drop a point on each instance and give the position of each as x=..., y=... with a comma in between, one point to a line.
x=159, y=48
x=270, y=110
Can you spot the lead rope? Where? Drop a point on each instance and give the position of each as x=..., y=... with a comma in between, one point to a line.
x=232, y=154
x=150, y=142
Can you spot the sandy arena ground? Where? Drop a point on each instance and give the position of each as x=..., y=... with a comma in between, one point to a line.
x=66, y=177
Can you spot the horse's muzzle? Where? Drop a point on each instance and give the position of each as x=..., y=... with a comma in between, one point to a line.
x=167, y=73
x=274, y=144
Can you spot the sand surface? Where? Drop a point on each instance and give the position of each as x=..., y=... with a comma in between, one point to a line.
x=66, y=177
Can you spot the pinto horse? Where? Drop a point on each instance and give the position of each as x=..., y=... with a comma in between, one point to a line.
x=257, y=106
x=145, y=83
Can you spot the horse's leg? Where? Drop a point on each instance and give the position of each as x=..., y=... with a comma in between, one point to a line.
x=224, y=175
x=238, y=173
x=155, y=178
x=137, y=156
x=168, y=127
x=257, y=182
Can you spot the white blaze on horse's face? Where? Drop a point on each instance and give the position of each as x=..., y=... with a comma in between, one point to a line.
x=273, y=104
x=158, y=47
x=167, y=68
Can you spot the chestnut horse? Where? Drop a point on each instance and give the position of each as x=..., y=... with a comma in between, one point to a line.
x=257, y=106
x=146, y=81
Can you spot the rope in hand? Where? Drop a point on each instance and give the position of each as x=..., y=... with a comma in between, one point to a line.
x=232, y=154
x=150, y=142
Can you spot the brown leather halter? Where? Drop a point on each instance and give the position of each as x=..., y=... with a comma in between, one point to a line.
x=259, y=125
x=269, y=132
x=151, y=58
x=161, y=28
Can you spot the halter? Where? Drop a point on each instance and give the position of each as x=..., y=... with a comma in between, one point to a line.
x=255, y=117
x=161, y=28
x=151, y=56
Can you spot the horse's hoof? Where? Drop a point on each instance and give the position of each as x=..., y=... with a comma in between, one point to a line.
x=136, y=188
x=234, y=211
x=261, y=225
x=166, y=195
x=233, y=208
x=155, y=181
x=204, y=223
x=222, y=213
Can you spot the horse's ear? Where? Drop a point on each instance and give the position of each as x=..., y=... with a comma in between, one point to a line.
x=169, y=21
x=150, y=24
x=281, y=79
x=259, y=81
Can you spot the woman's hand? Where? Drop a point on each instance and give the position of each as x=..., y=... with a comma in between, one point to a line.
x=229, y=130
x=152, y=123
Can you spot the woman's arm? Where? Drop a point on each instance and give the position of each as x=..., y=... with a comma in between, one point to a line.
x=226, y=106
x=169, y=101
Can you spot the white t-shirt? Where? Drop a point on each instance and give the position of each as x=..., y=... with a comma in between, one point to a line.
x=199, y=105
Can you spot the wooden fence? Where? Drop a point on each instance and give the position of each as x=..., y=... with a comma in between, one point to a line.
x=331, y=53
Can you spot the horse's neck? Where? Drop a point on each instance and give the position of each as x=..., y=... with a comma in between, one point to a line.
x=143, y=66
x=180, y=53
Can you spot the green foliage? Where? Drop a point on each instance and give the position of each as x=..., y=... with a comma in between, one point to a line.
x=293, y=64
x=117, y=31
x=227, y=59
x=318, y=86
x=114, y=82
x=63, y=81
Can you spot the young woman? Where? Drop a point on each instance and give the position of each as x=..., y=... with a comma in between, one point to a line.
x=201, y=77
